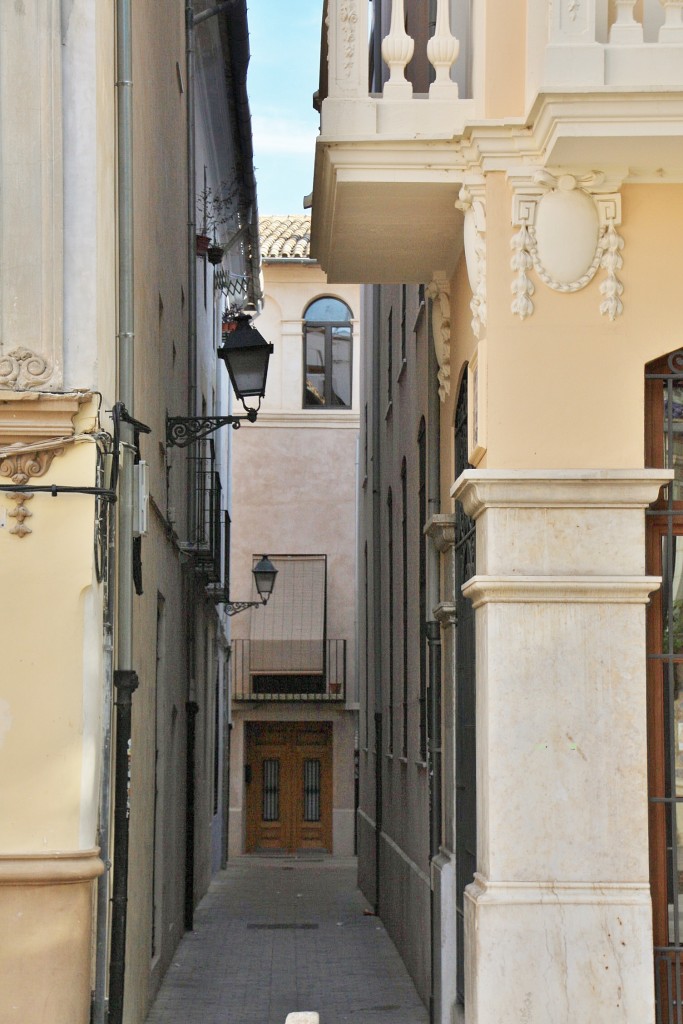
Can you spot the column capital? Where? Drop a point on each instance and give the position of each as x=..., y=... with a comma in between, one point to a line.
x=558, y=488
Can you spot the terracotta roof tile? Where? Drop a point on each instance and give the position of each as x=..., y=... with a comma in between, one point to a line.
x=285, y=238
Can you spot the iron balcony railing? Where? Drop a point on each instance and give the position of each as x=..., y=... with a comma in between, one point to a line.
x=206, y=543
x=219, y=590
x=287, y=670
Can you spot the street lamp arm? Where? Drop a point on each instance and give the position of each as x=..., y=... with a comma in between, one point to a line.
x=181, y=431
x=233, y=607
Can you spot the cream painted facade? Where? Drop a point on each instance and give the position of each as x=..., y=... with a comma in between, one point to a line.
x=533, y=210
x=62, y=334
x=294, y=483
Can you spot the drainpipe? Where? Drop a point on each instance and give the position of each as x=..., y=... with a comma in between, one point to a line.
x=125, y=679
x=192, y=709
x=433, y=633
x=376, y=580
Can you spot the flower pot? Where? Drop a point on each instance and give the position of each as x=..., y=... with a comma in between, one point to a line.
x=203, y=243
x=215, y=254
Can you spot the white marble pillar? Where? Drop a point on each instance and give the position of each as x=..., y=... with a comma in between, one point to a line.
x=31, y=279
x=558, y=919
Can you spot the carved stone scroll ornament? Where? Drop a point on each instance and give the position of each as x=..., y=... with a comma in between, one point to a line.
x=439, y=292
x=471, y=202
x=566, y=234
x=23, y=369
x=19, y=465
x=349, y=20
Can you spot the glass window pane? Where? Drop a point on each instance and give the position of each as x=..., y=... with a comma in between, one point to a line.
x=673, y=435
x=341, y=366
x=672, y=595
x=314, y=393
x=328, y=310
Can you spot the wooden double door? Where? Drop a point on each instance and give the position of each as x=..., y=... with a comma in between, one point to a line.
x=289, y=786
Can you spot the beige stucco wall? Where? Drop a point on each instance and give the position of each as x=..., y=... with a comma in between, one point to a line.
x=49, y=662
x=565, y=386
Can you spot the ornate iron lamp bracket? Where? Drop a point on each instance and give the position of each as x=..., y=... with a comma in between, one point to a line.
x=181, y=431
x=233, y=607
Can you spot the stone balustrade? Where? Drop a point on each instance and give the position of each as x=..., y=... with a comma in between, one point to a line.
x=570, y=42
x=591, y=42
x=348, y=52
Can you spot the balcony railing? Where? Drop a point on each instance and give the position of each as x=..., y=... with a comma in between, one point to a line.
x=206, y=543
x=220, y=589
x=346, y=76
x=623, y=43
x=288, y=670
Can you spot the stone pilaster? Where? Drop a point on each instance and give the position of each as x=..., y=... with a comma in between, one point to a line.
x=558, y=920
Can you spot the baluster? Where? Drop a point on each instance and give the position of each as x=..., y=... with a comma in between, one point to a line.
x=625, y=30
x=672, y=29
x=397, y=51
x=442, y=51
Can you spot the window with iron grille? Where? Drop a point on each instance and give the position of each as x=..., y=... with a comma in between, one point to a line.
x=664, y=448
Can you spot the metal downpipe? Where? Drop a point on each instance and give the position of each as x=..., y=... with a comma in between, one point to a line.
x=125, y=678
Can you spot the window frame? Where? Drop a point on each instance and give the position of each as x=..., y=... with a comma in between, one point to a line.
x=328, y=328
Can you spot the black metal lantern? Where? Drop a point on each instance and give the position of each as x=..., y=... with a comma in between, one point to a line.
x=264, y=576
x=245, y=353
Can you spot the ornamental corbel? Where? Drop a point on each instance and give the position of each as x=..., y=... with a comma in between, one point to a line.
x=471, y=201
x=567, y=232
x=439, y=291
x=20, y=464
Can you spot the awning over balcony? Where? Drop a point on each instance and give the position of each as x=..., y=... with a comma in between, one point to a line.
x=287, y=634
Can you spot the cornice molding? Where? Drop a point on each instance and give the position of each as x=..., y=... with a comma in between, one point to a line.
x=626, y=489
x=482, y=590
x=30, y=416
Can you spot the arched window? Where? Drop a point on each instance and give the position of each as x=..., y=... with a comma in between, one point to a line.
x=328, y=342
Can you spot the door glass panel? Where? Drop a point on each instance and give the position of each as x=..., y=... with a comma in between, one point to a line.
x=312, y=790
x=271, y=789
x=315, y=366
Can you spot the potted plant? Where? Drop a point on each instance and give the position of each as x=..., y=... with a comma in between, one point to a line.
x=215, y=208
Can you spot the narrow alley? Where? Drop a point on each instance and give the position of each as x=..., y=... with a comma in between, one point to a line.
x=279, y=934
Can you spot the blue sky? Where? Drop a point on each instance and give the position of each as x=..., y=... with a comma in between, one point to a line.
x=283, y=75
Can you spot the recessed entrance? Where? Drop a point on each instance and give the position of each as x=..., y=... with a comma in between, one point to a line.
x=289, y=786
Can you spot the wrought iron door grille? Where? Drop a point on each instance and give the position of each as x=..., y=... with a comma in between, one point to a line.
x=312, y=790
x=271, y=789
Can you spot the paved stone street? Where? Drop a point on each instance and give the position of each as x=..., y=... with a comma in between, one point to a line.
x=279, y=934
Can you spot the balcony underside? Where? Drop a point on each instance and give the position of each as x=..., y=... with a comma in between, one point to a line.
x=386, y=213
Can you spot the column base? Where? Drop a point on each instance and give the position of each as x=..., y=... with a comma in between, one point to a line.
x=46, y=917
x=560, y=952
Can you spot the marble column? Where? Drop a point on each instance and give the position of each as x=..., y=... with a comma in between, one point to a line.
x=558, y=918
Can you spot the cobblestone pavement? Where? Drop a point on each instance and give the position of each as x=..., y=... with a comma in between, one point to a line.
x=275, y=935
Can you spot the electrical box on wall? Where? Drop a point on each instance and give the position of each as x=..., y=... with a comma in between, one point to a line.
x=141, y=499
